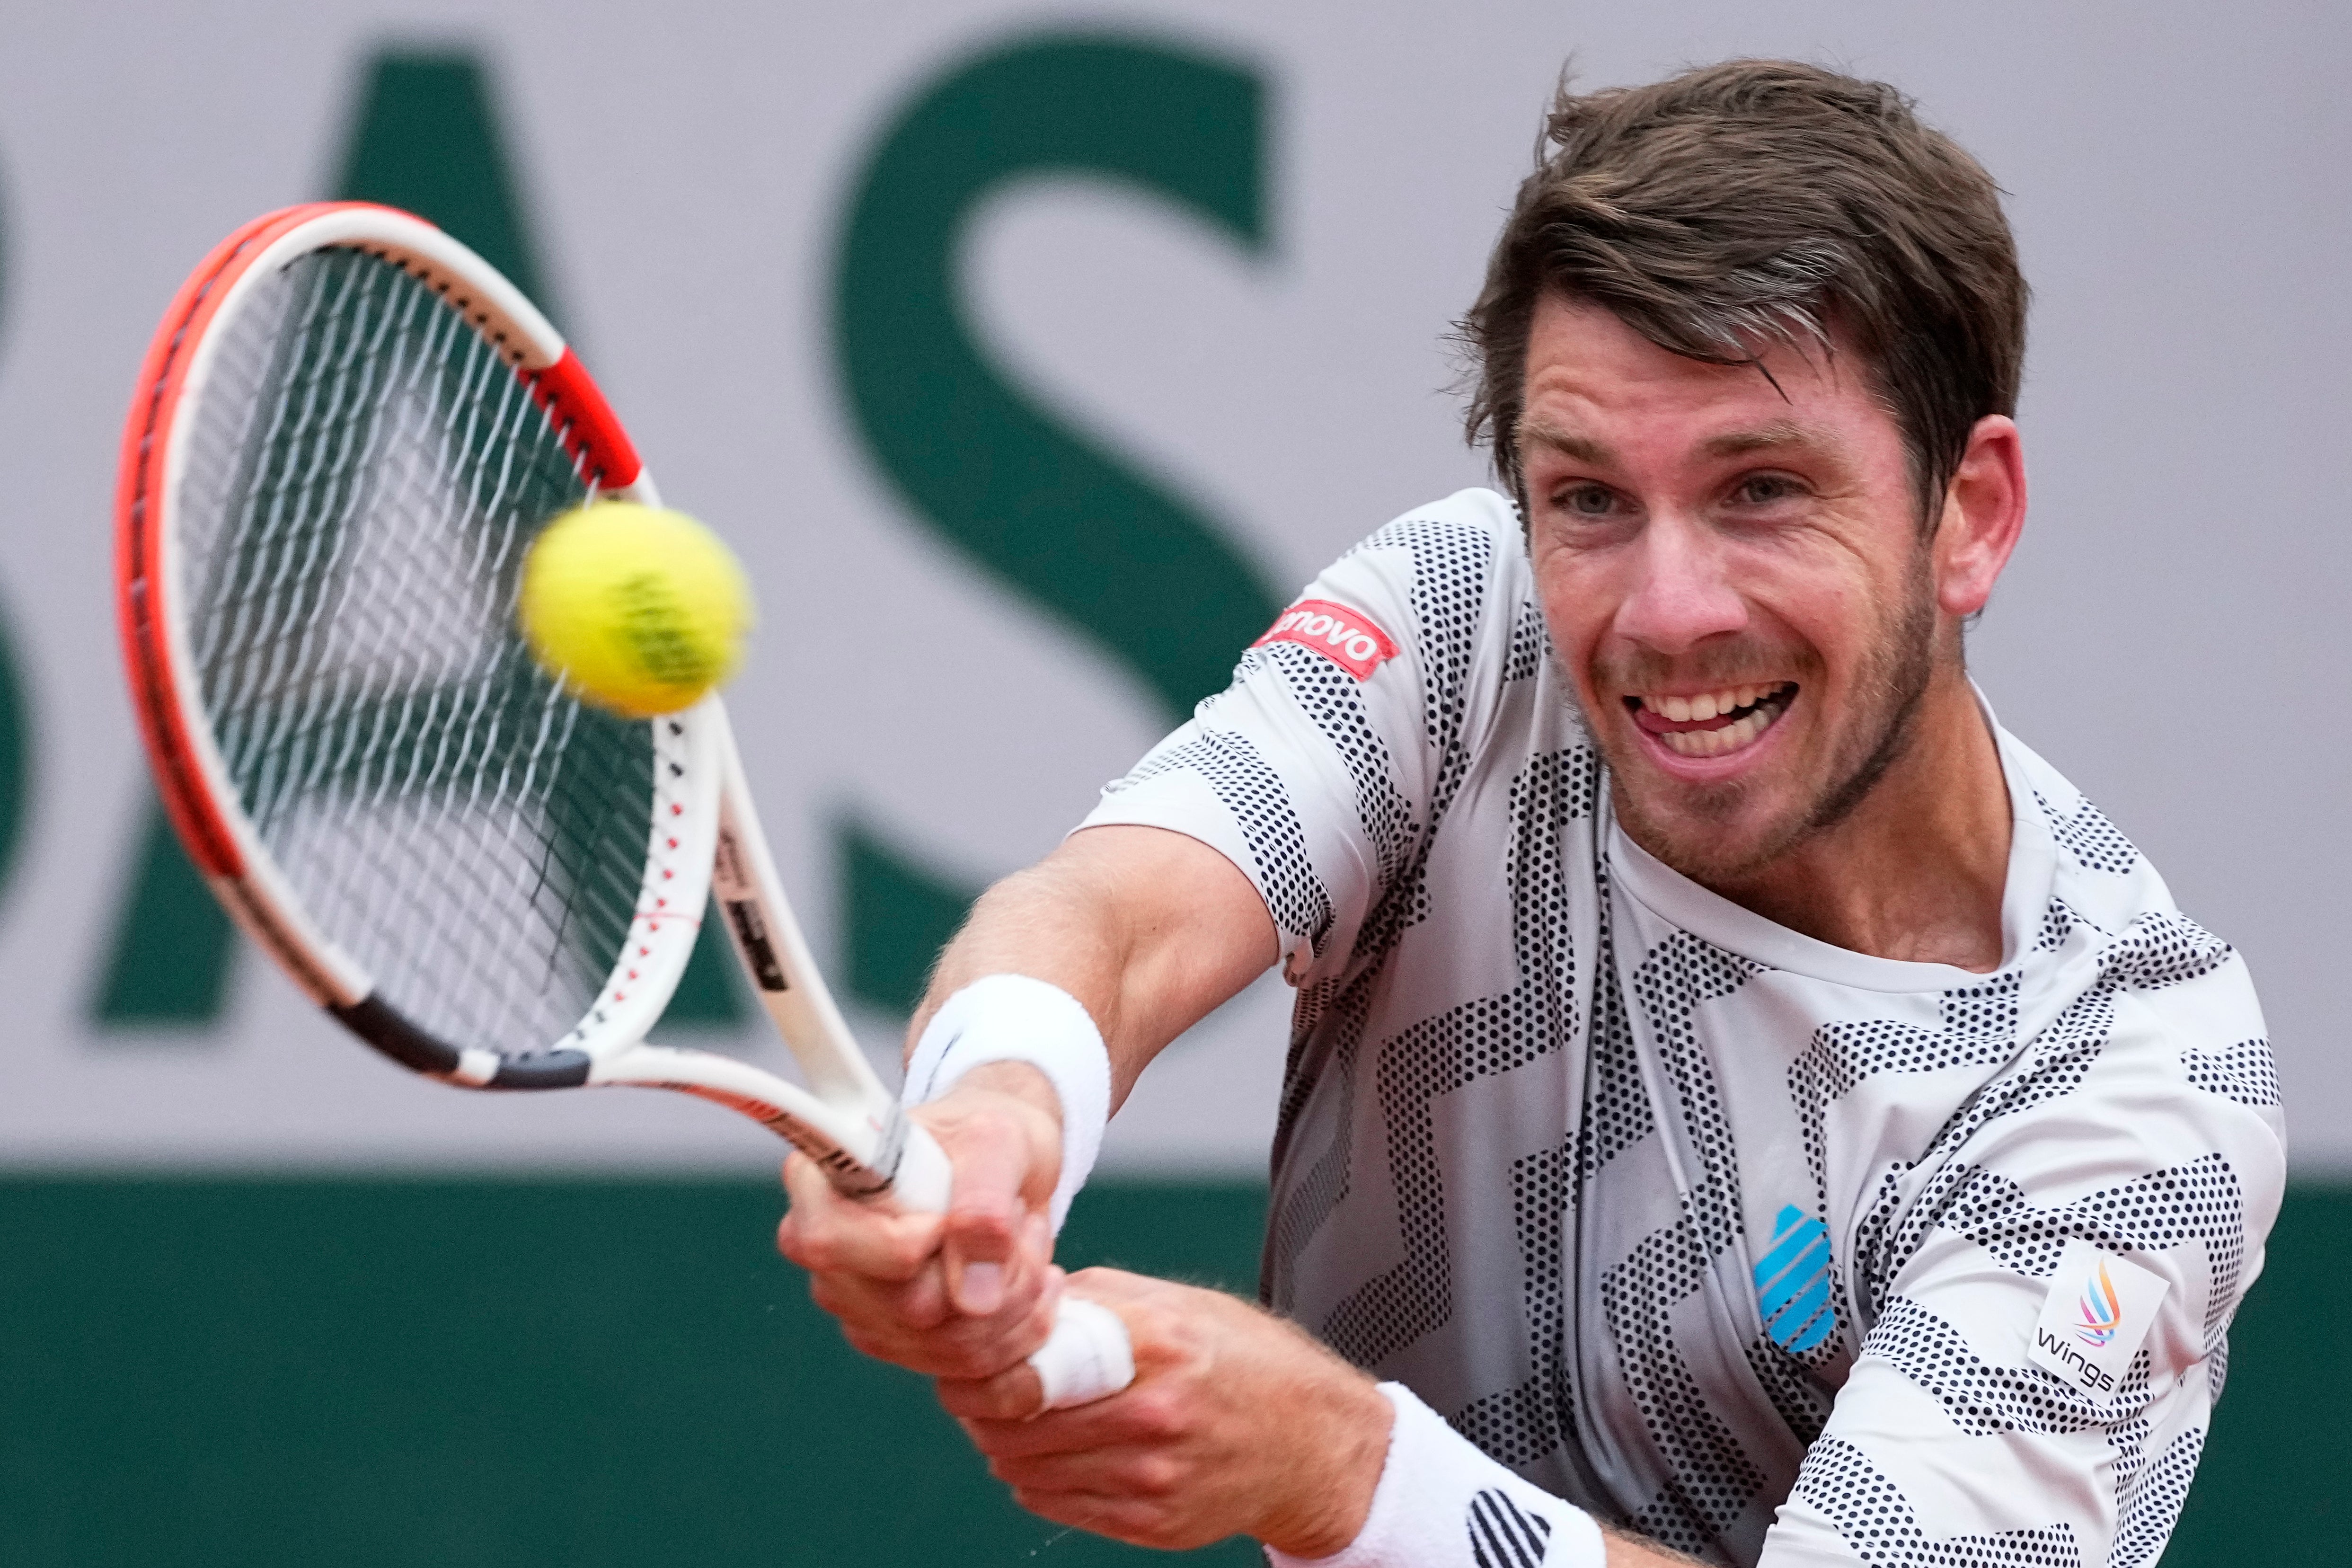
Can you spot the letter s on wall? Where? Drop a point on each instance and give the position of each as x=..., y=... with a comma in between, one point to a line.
x=1067, y=526
x=1097, y=545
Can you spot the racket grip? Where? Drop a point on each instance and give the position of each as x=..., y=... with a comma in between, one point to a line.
x=924, y=1181
x=1087, y=1357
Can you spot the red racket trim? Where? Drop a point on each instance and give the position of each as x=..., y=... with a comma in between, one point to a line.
x=181, y=758
x=591, y=431
x=171, y=725
x=143, y=616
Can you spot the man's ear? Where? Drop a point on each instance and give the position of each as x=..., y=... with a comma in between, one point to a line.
x=1984, y=512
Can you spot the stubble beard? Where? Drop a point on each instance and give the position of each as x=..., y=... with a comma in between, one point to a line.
x=1699, y=833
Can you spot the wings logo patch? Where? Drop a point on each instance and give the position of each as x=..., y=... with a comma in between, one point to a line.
x=2099, y=1310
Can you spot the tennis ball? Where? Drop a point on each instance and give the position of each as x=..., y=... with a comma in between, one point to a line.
x=636, y=609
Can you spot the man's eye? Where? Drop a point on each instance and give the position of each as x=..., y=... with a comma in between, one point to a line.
x=1588, y=500
x=1762, y=489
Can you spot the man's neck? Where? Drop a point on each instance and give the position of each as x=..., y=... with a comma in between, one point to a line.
x=1918, y=869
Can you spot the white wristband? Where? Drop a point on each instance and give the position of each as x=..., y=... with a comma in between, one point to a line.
x=1015, y=1018
x=1441, y=1503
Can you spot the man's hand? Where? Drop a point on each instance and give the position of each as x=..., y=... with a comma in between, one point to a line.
x=964, y=1294
x=1148, y=930
x=1237, y=1424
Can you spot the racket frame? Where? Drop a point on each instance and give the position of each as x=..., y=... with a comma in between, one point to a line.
x=702, y=811
x=704, y=838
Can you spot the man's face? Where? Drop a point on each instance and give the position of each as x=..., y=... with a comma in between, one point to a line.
x=1735, y=580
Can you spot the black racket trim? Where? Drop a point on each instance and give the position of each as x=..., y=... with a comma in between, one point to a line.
x=554, y=1069
x=382, y=1026
x=375, y=1020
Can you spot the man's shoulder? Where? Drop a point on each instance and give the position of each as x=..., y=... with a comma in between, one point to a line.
x=1459, y=535
x=1474, y=507
x=2141, y=1047
x=1443, y=579
x=2111, y=921
x=2098, y=874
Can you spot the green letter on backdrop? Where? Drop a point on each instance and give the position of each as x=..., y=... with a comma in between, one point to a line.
x=1051, y=516
x=425, y=136
x=14, y=786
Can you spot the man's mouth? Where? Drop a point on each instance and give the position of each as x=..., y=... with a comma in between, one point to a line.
x=1711, y=723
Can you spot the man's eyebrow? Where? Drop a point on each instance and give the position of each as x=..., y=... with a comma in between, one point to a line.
x=1543, y=433
x=1770, y=436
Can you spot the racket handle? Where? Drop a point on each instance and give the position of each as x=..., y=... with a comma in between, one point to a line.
x=924, y=1180
x=1088, y=1355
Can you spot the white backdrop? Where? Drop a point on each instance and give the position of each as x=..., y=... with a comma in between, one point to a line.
x=2177, y=177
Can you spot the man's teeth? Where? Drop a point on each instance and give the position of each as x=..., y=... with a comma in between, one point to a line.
x=1707, y=704
x=1715, y=743
x=1758, y=707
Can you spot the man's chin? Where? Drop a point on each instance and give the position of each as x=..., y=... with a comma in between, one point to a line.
x=1713, y=833
x=1709, y=861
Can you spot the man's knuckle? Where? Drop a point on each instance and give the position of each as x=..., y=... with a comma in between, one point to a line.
x=1157, y=1415
x=923, y=1313
x=969, y=1400
x=904, y=1253
x=976, y=1363
x=816, y=1247
x=982, y=1216
x=1156, y=1476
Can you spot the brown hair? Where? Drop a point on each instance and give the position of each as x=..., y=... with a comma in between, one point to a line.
x=1757, y=203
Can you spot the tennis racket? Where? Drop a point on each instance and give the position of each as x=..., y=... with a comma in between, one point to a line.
x=346, y=434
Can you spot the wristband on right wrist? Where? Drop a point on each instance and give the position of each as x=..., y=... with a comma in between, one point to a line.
x=1441, y=1503
x=1019, y=1018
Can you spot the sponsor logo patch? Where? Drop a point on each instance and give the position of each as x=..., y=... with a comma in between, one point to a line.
x=2099, y=1310
x=1345, y=637
x=1793, y=1283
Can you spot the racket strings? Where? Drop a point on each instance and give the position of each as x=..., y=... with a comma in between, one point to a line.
x=364, y=478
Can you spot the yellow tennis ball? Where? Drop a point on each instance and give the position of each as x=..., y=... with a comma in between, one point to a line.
x=636, y=609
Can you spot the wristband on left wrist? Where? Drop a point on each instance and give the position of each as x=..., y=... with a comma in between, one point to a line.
x=1442, y=1503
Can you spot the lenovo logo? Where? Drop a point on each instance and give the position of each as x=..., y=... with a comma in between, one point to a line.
x=1345, y=637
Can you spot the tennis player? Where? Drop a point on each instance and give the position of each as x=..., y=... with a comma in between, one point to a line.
x=1742, y=1103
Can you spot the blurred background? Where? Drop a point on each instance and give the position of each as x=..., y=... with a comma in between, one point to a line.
x=265, y=1301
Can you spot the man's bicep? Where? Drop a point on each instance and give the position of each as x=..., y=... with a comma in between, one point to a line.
x=1194, y=915
x=1973, y=1468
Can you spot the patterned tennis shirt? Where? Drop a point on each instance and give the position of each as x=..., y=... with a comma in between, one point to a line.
x=1767, y=1249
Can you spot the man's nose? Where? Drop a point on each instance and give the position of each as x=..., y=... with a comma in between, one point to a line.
x=1682, y=592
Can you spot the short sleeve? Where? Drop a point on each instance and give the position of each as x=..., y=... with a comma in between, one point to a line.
x=2135, y=1149
x=1317, y=771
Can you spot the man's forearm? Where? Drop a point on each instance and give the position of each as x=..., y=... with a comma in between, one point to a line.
x=1114, y=945
x=1148, y=930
